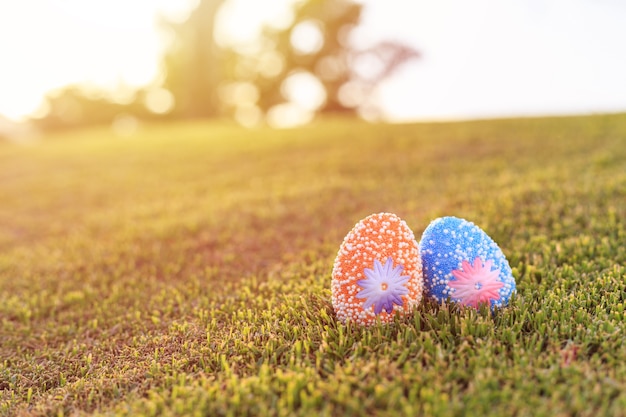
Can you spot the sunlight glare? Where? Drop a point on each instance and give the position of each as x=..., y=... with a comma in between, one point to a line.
x=248, y=116
x=125, y=125
x=305, y=90
x=159, y=100
x=48, y=45
x=288, y=115
x=241, y=21
x=307, y=37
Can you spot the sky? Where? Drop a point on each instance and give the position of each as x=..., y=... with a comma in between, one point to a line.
x=494, y=58
x=480, y=58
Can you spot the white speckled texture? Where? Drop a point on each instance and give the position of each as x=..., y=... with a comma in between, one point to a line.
x=449, y=241
x=385, y=238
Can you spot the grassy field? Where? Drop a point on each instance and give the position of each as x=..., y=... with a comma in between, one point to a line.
x=186, y=270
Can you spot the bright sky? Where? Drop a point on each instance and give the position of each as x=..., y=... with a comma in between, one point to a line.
x=484, y=58
x=481, y=58
x=46, y=44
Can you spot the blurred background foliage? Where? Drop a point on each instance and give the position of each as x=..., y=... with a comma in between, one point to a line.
x=295, y=70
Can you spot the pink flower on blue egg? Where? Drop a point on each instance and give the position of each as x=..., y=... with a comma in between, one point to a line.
x=463, y=264
x=383, y=287
x=476, y=284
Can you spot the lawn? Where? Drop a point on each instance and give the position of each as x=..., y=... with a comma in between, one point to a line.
x=186, y=270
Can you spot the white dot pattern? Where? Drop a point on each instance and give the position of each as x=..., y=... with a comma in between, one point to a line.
x=377, y=237
x=446, y=243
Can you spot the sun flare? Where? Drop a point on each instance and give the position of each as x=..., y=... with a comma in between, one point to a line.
x=48, y=45
x=116, y=45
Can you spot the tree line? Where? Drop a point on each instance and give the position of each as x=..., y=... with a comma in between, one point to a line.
x=202, y=79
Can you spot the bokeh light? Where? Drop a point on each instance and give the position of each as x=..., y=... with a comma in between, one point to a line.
x=307, y=37
x=159, y=100
x=480, y=59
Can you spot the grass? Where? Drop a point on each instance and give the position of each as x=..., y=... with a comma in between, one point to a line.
x=186, y=270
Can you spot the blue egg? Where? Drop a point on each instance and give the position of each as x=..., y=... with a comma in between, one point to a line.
x=461, y=263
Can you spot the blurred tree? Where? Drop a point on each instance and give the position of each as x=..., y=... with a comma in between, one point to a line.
x=194, y=64
x=203, y=80
x=318, y=43
x=78, y=106
x=73, y=107
x=193, y=71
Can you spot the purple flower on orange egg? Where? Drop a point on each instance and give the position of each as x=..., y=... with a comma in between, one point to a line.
x=377, y=274
x=383, y=287
x=476, y=284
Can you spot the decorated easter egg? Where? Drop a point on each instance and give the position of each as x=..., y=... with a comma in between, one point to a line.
x=463, y=264
x=378, y=272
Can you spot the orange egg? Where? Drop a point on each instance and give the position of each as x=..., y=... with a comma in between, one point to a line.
x=378, y=271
